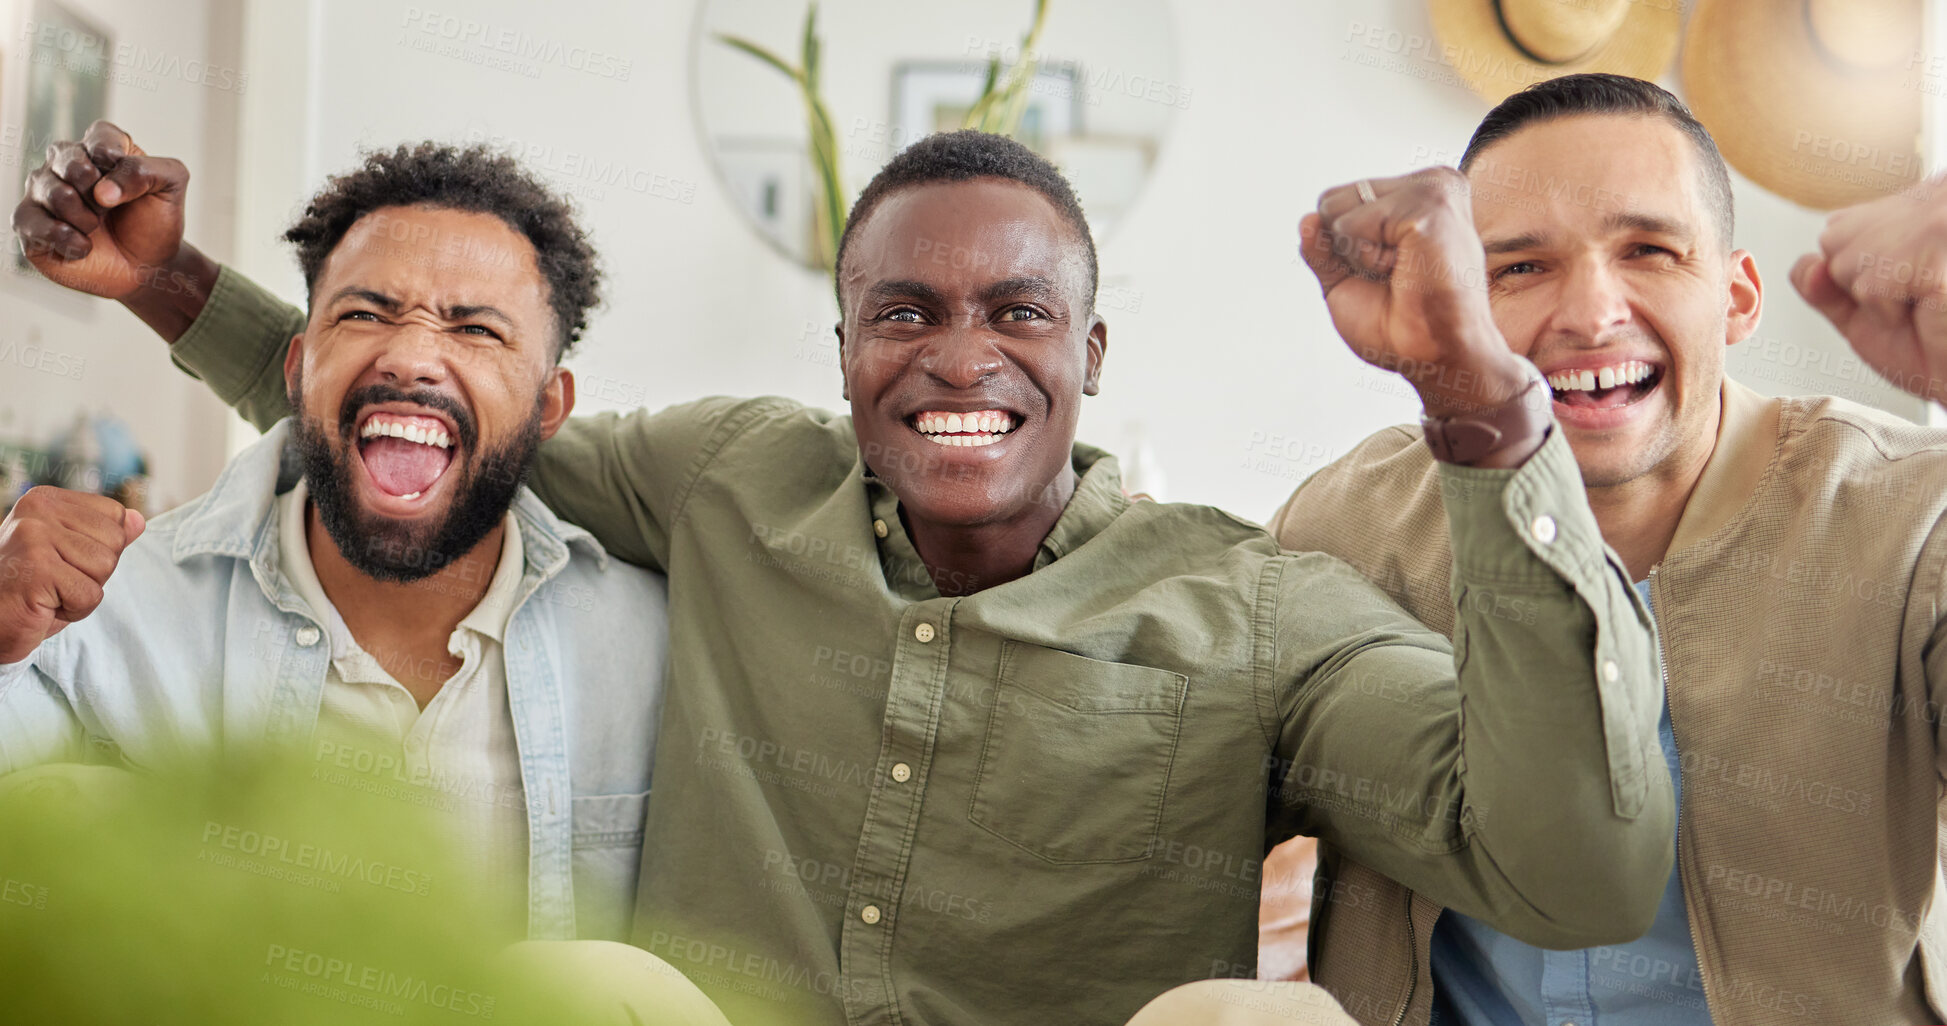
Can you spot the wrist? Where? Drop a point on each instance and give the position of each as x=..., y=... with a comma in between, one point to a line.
x=1459, y=389
x=171, y=299
x=1499, y=435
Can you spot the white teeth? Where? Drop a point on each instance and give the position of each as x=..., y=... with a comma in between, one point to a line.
x=964, y=426
x=414, y=495
x=434, y=436
x=1628, y=372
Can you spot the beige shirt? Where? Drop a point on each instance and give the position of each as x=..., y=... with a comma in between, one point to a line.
x=1802, y=613
x=458, y=757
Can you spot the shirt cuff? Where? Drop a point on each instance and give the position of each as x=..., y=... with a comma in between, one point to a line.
x=1528, y=525
x=239, y=311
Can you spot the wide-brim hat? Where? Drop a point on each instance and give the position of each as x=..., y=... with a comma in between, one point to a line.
x=1500, y=47
x=1819, y=101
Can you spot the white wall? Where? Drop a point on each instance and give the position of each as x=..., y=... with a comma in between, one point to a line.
x=1220, y=345
x=60, y=352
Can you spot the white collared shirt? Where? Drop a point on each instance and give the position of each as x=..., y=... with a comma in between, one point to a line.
x=458, y=755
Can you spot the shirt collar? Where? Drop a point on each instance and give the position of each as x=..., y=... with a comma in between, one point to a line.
x=488, y=617
x=1097, y=501
x=1747, y=439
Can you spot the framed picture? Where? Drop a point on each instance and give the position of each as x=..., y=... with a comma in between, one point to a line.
x=771, y=180
x=64, y=60
x=933, y=96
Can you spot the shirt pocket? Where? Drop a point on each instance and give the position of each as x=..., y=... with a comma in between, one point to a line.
x=607, y=861
x=1078, y=755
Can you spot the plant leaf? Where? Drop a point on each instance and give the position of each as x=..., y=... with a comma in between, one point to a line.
x=761, y=54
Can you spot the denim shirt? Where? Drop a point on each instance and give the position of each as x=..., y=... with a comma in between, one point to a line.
x=201, y=642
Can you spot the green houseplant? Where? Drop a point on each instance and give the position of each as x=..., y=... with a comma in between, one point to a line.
x=1002, y=102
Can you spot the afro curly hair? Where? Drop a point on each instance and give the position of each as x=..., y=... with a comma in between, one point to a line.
x=475, y=179
x=962, y=156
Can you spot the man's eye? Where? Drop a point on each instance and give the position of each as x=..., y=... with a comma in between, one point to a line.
x=1648, y=249
x=479, y=329
x=1020, y=313
x=1524, y=267
x=903, y=315
x=358, y=315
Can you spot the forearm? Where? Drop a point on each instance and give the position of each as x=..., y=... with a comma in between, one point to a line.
x=1560, y=687
x=1503, y=775
x=171, y=299
x=236, y=346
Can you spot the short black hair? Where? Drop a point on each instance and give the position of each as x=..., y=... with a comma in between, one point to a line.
x=1597, y=93
x=474, y=179
x=962, y=156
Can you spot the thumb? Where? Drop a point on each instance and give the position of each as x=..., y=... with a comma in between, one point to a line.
x=133, y=524
x=1813, y=280
x=1315, y=243
x=135, y=176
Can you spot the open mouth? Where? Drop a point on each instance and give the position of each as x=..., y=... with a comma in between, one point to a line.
x=405, y=455
x=1609, y=387
x=975, y=428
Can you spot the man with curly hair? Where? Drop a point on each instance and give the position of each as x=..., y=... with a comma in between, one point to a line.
x=371, y=580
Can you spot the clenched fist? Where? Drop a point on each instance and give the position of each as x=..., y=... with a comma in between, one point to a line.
x=105, y=218
x=1404, y=276
x=57, y=549
x=1880, y=277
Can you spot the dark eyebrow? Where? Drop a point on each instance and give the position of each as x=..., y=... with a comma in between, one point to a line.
x=378, y=299
x=1030, y=286
x=1527, y=240
x=1628, y=220
x=916, y=291
x=478, y=312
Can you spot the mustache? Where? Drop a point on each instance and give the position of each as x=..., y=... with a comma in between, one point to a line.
x=371, y=395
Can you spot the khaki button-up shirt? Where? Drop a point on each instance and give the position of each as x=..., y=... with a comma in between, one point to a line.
x=1098, y=754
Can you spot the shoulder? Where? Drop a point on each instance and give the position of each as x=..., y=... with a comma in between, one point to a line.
x=1860, y=435
x=1839, y=449
x=1391, y=475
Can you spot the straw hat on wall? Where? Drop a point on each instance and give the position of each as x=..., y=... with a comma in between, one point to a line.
x=1500, y=47
x=1818, y=101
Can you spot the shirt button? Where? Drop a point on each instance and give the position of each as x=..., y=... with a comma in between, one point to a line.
x=924, y=632
x=1543, y=528
x=869, y=914
x=901, y=772
x=1610, y=671
x=879, y=528
x=307, y=636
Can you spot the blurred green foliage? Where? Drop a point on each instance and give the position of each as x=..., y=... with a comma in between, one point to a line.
x=240, y=891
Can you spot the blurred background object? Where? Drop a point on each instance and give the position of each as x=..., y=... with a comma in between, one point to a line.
x=1819, y=101
x=1090, y=84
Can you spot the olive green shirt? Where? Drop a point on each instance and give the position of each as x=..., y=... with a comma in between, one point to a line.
x=1048, y=801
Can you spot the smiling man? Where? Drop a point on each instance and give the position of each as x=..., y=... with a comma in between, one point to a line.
x=1794, y=553
x=370, y=581
x=959, y=733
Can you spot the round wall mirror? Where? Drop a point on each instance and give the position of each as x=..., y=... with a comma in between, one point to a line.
x=888, y=72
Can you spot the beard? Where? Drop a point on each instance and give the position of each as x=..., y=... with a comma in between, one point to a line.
x=403, y=551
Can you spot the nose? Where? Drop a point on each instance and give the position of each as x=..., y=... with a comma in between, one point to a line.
x=961, y=357
x=1593, y=301
x=413, y=356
